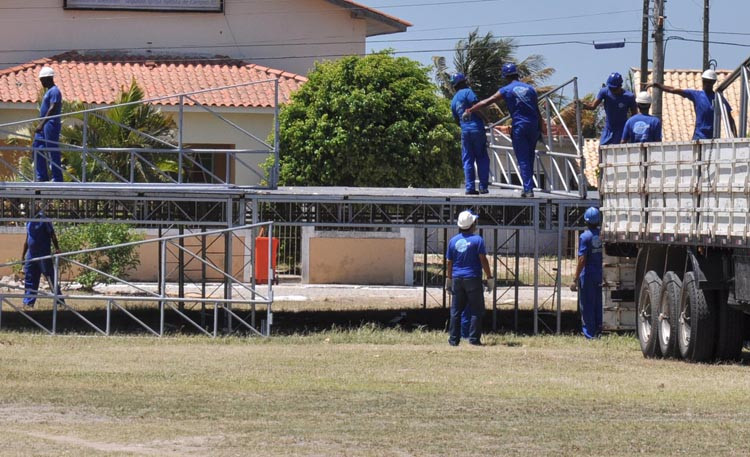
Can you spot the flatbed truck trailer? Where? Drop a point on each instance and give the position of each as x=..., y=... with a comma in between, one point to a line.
x=676, y=231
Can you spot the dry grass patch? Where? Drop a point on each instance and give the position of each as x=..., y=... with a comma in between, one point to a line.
x=362, y=392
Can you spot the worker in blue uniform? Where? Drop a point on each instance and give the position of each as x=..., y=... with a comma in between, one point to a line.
x=39, y=235
x=642, y=128
x=703, y=104
x=473, y=137
x=466, y=259
x=521, y=100
x=588, y=276
x=47, y=135
x=618, y=104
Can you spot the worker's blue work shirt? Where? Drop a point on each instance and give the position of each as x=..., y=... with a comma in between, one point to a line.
x=590, y=245
x=466, y=98
x=642, y=128
x=53, y=97
x=616, y=108
x=703, y=102
x=521, y=100
x=39, y=238
x=464, y=250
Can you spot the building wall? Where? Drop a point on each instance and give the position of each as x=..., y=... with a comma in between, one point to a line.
x=284, y=33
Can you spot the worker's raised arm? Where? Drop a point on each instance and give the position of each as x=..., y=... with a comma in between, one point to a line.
x=486, y=102
x=670, y=89
x=591, y=106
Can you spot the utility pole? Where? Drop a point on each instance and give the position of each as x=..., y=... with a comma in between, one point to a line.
x=706, y=14
x=644, y=47
x=658, y=54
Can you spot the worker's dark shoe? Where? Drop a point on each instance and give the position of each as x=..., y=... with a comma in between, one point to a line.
x=529, y=194
x=476, y=343
x=453, y=343
x=472, y=192
x=484, y=191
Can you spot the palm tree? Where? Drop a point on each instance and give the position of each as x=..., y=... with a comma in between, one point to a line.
x=122, y=127
x=481, y=58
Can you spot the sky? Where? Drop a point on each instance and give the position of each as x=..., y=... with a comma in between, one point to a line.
x=439, y=24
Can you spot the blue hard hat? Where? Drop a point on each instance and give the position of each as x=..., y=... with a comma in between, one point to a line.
x=509, y=69
x=457, y=78
x=592, y=216
x=614, y=80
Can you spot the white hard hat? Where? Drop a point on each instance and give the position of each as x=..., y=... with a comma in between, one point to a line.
x=710, y=75
x=643, y=98
x=46, y=72
x=466, y=220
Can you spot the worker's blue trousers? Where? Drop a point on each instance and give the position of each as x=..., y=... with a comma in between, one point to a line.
x=590, y=300
x=33, y=272
x=467, y=292
x=474, y=150
x=524, y=146
x=45, y=145
x=465, y=322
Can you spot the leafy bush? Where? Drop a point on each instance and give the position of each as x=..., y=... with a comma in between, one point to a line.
x=116, y=262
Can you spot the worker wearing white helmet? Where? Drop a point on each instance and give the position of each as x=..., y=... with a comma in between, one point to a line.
x=642, y=128
x=47, y=135
x=703, y=103
x=466, y=258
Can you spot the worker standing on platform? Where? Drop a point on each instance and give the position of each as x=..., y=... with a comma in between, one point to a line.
x=521, y=100
x=466, y=258
x=642, y=128
x=618, y=103
x=473, y=136
x=703, y=103
x=589, y=275
x=47, y=134
x=39, y=234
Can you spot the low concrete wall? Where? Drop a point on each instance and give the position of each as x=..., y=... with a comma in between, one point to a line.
x=333, y=257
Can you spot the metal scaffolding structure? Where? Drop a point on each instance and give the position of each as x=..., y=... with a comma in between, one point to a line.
x=97, y=163
x=559, y=167
x=224, y=298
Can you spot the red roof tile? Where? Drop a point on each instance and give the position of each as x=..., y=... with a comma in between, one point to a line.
x=98, y=79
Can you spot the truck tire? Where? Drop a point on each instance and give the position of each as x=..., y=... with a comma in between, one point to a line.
x=729, y=339
x=647, y=301
x=696, y=325
x=667, y=315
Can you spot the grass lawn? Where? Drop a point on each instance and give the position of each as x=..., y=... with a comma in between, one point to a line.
x=362, y=392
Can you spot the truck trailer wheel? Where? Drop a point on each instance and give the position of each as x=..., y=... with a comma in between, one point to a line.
x=731, y=333
x=648, y=301
x=696, y=323
x=666, y=315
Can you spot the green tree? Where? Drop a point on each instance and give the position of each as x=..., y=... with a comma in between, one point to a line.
x=369, y=121
x=116, y=261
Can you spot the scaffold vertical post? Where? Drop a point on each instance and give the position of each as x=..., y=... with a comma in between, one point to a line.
x=228, y=264
x=109, y=317
x=494, y=275
x=582, y=184
x=424, y=271
x=276, y=140
x=162, y=283
x=253, y=247
x=53, y=287
x=84, y=145
x=269, y=314
x=181, y=267
x=535, y=208
x=445, y=263
x=516, y=279
x=558, y=280
x=743, y=102
x=180, y=124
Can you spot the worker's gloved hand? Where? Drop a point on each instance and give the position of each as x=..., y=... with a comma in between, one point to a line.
x=490, y=284
x=574, y=286
x=448, y=284
x=466, y=116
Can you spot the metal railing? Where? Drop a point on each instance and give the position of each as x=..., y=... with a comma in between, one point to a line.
x=721, y=115
x=187, y=161
x=227, y=297
x=559, y=168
